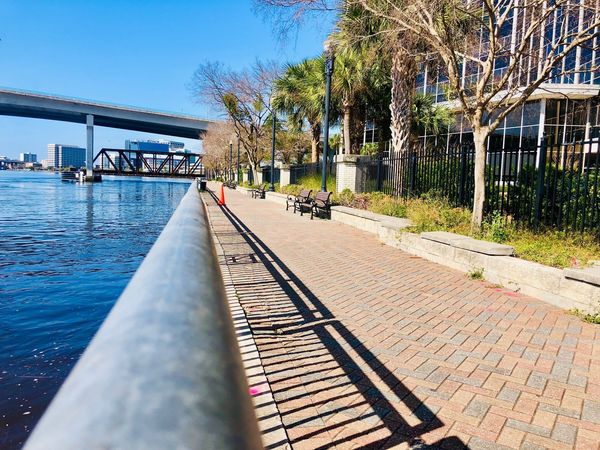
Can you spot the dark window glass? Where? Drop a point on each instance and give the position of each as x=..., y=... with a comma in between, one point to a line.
x=454, y=139
x=553, y=134
x=467, y=138
x=455, y=125
x=531, y=112
x=514, y=118
x=551, y=111
x=495, y=141
x=529, y=136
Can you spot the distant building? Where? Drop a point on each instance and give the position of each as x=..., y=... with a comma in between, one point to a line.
x=28, y=157
x=61, y=156
x=155, y=146
x=10, y=164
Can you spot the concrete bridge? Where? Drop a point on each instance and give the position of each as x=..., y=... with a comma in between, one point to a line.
x=36, y=105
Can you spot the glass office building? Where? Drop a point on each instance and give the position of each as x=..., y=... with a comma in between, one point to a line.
x=63, y=156
x=565, y=109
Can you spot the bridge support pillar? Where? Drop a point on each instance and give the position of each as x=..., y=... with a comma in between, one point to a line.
x=89, y=159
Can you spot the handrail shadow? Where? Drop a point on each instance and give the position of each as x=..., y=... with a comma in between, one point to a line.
x=398, y=427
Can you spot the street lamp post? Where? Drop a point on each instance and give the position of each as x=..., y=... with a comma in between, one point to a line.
x=329, y=60
x=238, y=164
x=272, y=186
x=230, y=160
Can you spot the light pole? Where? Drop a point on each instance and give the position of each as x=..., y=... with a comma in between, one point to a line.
x=238, y=164
x=230, y=160
x=274, y=120
x=329, y=60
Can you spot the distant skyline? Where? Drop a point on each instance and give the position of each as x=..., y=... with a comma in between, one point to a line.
x=129, y=53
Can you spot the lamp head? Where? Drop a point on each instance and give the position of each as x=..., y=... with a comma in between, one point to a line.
x=329, y=46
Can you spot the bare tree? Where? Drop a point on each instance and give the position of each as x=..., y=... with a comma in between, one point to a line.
x=497, y=53
x=244, y=97
x=216, y=147
x=293, y=143
x=289, y=15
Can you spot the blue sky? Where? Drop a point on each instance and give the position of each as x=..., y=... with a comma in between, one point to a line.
x=128, y=52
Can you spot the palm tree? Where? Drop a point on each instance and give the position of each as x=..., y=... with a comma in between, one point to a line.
x=352, y=79
x=300, y=93
x=394, y=50
x=429, y=117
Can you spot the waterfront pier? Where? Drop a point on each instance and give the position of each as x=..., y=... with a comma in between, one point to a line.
x=342, y=342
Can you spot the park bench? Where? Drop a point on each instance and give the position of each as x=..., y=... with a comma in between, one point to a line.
x=300, y=202
x=321, y=203
x=230, y=184
x=259, y=192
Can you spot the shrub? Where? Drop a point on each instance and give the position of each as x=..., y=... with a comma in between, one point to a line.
x=291, y=189
x=346, y=197
x=384, y=204
x=497, y=229
x=313, y=181
x=369, y=149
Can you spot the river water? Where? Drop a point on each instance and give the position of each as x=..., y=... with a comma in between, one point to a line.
x=66, y=253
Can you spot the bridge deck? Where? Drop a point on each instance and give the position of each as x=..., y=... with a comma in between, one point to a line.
x=365, y=346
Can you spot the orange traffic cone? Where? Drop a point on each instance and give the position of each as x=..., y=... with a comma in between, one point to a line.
x=222, y=199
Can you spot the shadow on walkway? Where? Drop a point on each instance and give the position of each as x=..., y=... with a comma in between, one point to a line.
x=310, y=326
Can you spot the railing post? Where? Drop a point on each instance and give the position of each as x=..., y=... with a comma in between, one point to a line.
x=539, y=191
x=379, y=172
x=413, y=171
x=463, y=173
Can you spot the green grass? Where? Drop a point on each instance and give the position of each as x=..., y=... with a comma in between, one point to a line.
x=475, y=274
x=590, y=318
x=553, y=248
x=548, y=247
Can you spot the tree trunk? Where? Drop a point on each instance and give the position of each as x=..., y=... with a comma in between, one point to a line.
x=255, y=173
x=403, y=87
x=314, y=142
x=347, y=125
x=479, y=137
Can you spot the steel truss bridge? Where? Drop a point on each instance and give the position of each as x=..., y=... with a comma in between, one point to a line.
x=111, y=161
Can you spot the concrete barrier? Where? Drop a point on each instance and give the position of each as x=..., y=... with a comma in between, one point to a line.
x=164, y=370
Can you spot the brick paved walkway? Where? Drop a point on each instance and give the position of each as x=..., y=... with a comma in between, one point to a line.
x=365, y=346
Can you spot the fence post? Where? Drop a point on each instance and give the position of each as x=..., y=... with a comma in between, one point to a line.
x=463, y=173
x=413, y=172
x=539, y=191
x=379, y=172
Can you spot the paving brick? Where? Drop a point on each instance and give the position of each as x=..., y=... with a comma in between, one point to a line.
x=528, y=428
x=591, y=411
x=564, y=433
x=509, y=395
x=476, y=409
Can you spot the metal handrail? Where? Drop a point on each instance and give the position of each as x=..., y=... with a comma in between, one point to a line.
x=164, y=371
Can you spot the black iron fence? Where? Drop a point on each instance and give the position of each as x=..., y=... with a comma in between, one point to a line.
x=302, y=170
x=267, y=174
x=550, y=184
